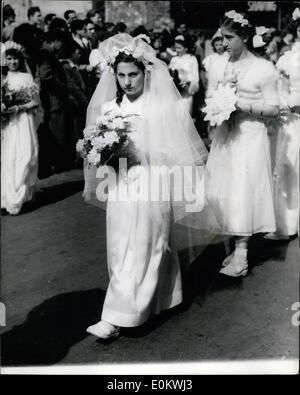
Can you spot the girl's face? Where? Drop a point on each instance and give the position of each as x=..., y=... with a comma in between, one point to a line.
x=218, y=45
x=233, y=43
x=180, y=49
x=131, y=79
x=12, y=63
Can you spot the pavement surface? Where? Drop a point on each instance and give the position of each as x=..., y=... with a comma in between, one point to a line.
x=54, y=277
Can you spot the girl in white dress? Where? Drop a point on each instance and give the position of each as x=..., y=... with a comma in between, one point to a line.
x=142, y=261
x=239, y=166
x=186, y=65
x=19, y=144
x=209, y=61
x=286, y=172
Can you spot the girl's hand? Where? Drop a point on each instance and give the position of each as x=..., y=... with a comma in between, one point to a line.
x=12, y=110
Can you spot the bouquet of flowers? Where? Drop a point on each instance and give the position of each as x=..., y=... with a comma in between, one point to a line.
x=11, y=97
x=220, y=105
x=109, y=139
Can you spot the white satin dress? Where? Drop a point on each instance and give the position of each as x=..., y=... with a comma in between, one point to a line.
x=19, y=152
x=144, y=276
x=286, y=172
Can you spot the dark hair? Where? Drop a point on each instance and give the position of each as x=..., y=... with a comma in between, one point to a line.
x=67, y=13
x=32, y=11
x=92, y=13
x=186, y=42
x=122, y=57
x=121, y=27
x=246, y=31
x=108, y=25
x=49, y=17
x=76, y=25
x=58, y=24
x=214, y=40
x=8, y=12
x=140, y=30
x=15, y=53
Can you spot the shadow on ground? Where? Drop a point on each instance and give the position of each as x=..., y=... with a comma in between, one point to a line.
x=202, y=276
x=53, y=194
x=51, y=329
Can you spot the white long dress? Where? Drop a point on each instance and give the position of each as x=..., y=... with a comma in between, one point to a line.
x=239, y=177
x=188, y=72
x=19, y=152
x=144, y=277
x=286, y=172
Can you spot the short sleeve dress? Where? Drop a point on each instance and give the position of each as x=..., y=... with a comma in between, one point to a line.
x=239, y=184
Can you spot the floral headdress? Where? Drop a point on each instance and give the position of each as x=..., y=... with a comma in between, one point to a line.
x=124, y=43
x=13, y=45
x=296, y=14
x=179, y=38
x=238, y=18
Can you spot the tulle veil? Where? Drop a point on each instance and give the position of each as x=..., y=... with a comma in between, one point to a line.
x=169, y=142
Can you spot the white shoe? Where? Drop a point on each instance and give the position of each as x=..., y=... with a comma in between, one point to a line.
x=238, y=265
x=227, y=260
x=275, y=236
x=104, y=330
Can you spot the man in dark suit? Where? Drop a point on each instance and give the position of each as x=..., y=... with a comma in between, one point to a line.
x=30, y=36
x=78, y=101
x=79, y=35
x=54, y=133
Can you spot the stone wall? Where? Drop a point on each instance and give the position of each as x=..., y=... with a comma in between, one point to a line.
x=134, y=13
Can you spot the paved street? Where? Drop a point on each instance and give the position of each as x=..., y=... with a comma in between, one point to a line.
x=54, y=277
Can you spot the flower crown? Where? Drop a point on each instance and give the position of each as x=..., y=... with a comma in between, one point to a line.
x=296, y=14
x=13, y=45
x=134, y=51
x=238, y=18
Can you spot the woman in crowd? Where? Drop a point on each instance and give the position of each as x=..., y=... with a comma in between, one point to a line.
x=286, y=173
x=19, y=145
x=209, y=60
x=239, y=184
x=185, y=70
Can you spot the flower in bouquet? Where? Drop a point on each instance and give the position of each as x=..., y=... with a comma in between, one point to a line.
x=106, y=139
x=12, y=97
x=220, y=105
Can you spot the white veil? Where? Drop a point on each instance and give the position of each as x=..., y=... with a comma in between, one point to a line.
x=168, y=141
